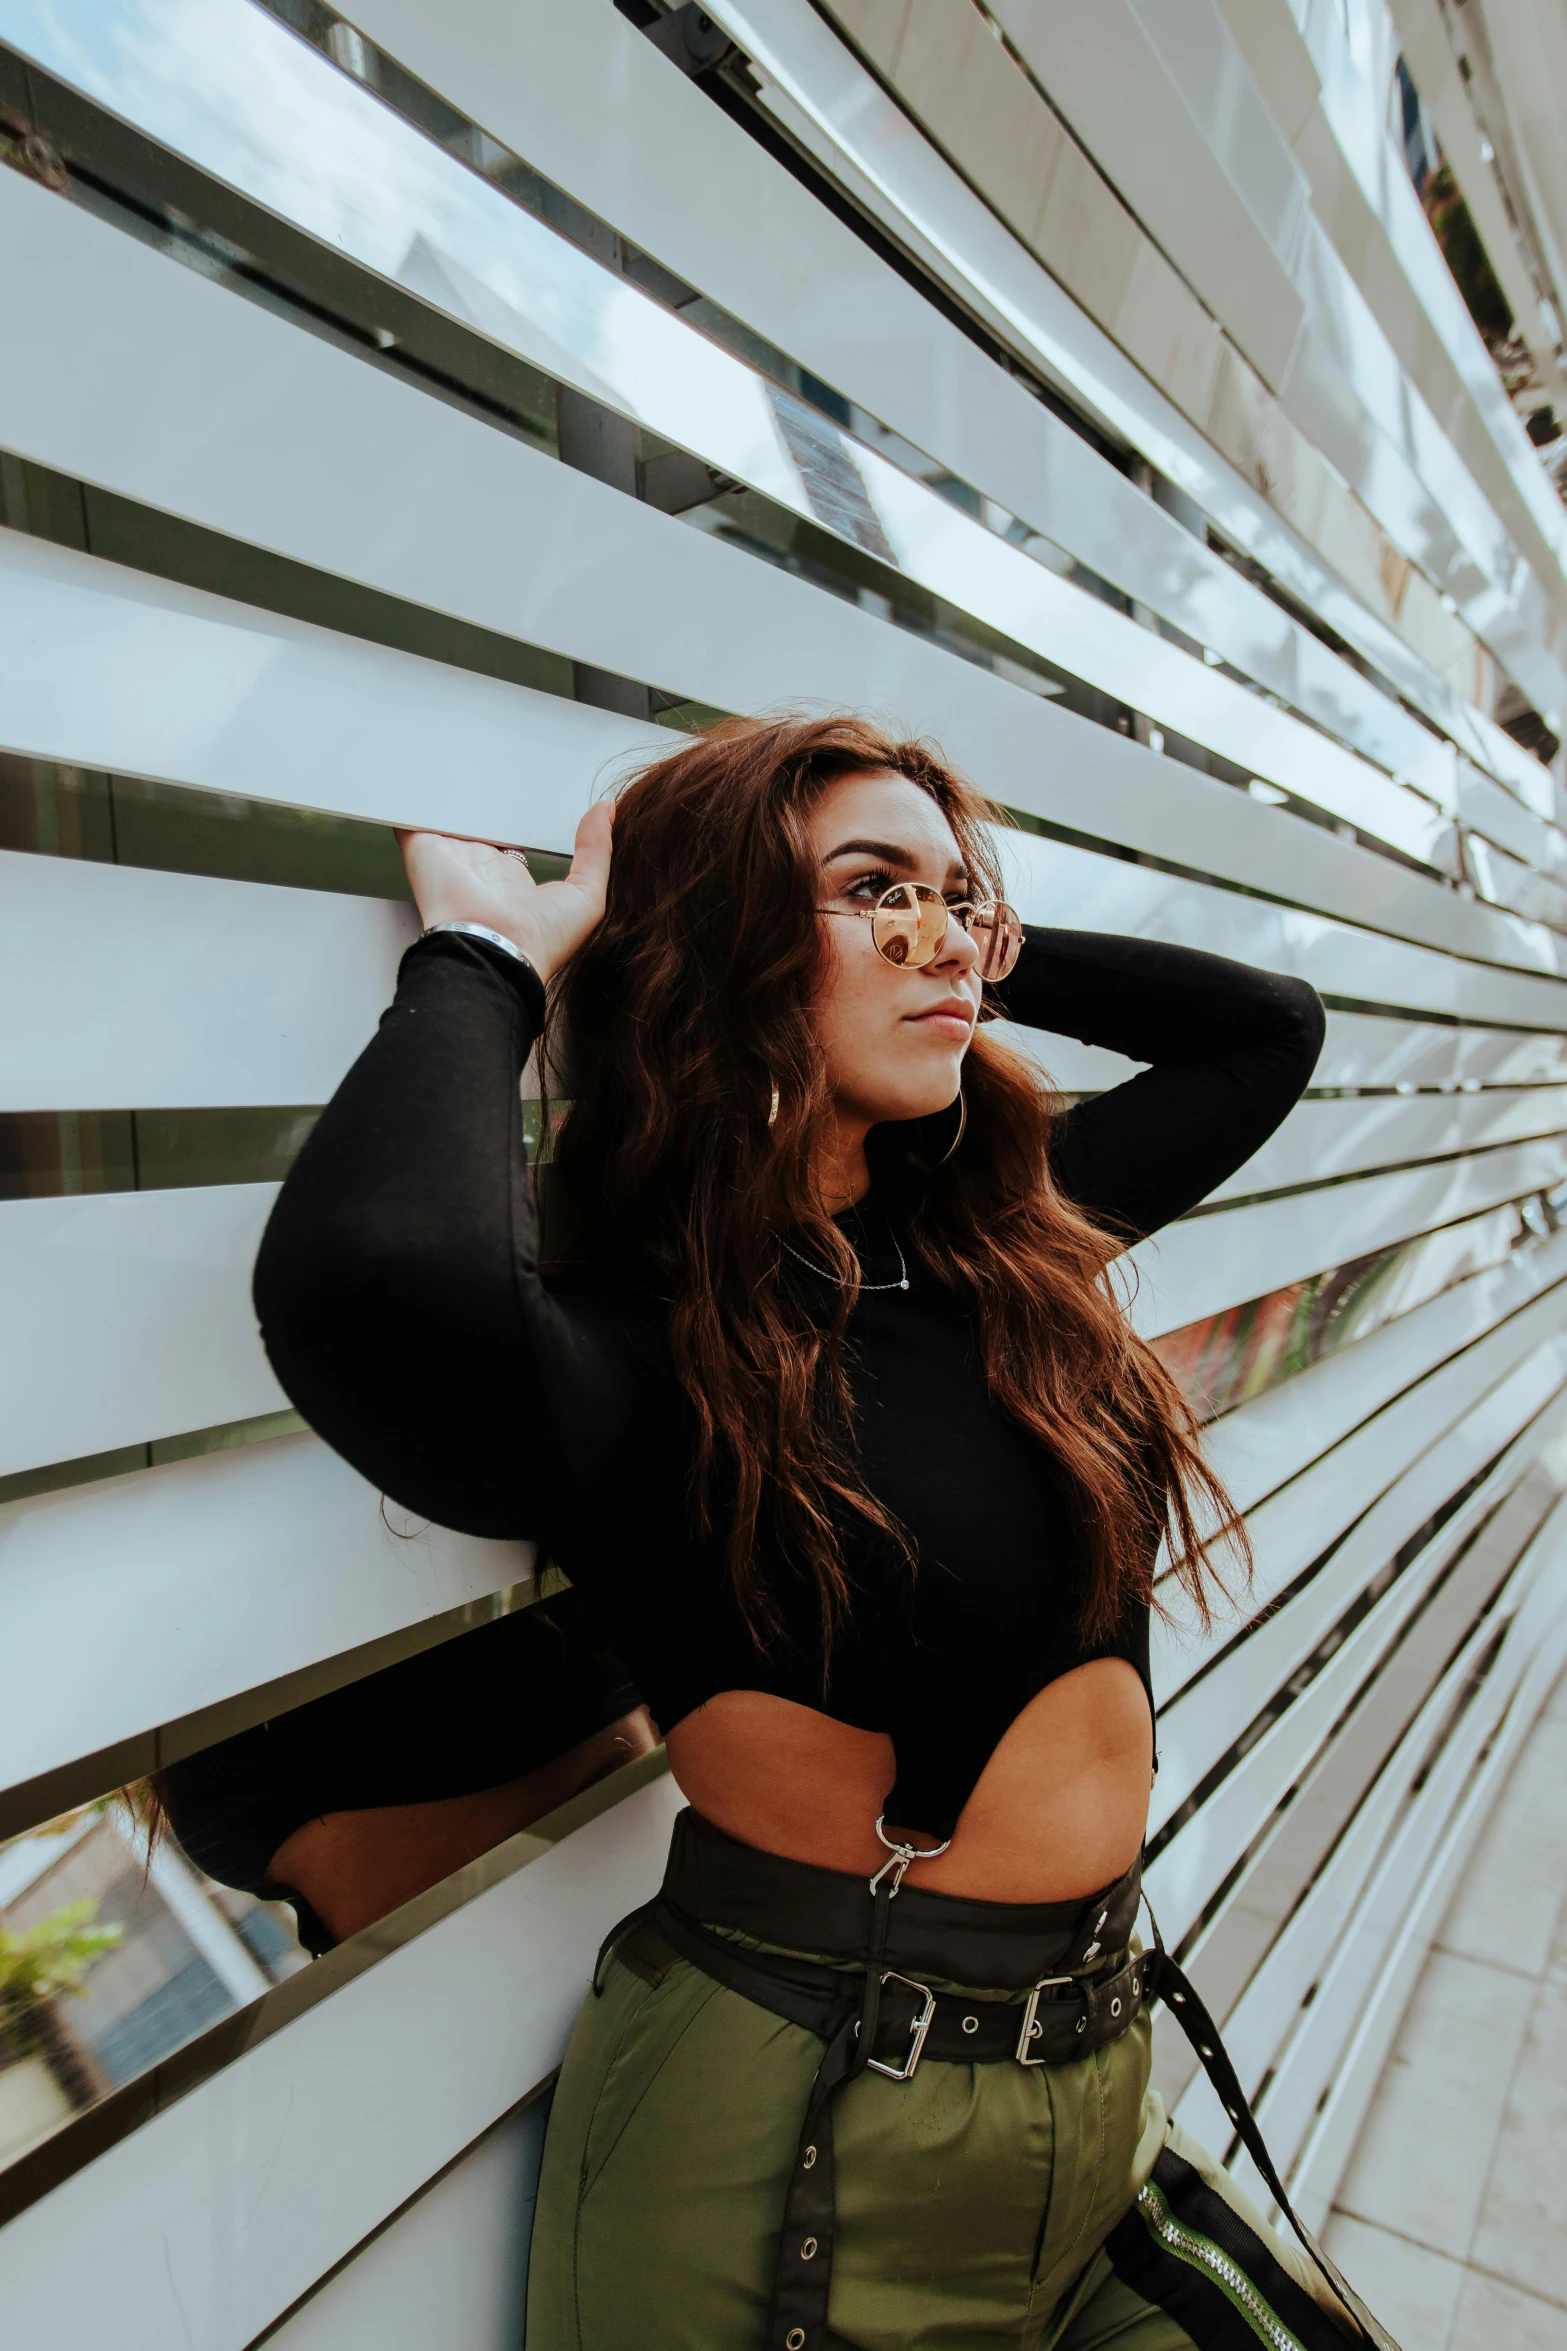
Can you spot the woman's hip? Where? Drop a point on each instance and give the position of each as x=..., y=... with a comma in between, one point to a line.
x=967, y=2196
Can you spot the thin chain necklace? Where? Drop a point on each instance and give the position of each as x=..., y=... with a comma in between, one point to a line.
x=826, y=1274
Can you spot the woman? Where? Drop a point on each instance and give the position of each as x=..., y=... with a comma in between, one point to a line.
x=817, y=1385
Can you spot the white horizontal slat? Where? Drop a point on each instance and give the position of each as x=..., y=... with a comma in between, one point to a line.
x=1323, y=1139
x=136, y=1310
x=464, y=247
x=1259, y=1445
x=1388, y=1462
x=1193, y=1867
x=329, y=2125
x=200, y=1580
x=1506, y=881
x=299, y=714
x=1364, y=1049
x=204, y=419
x=163, y=990
x=138, y=1302
x=1493, y=812
x=1304, y=2004
x=452, y=2270
x=1057, y=882
x=1360, y=1795
x=1364, y=1992
x=1361, y=1049
x=147, y=989
x=1468, y=1422
x=753, y=240
x=1212, y=1261
x=252, y=702
x=1342, y=382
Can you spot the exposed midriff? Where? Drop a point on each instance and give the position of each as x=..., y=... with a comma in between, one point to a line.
x=1058, y=1811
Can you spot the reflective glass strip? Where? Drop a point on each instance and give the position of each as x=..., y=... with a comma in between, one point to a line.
x=437, y=2063
x=55, y=1476
x=1228, y=1358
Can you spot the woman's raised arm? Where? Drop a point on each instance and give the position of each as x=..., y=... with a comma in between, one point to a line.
x=397, y=1284
x=1231, y=1050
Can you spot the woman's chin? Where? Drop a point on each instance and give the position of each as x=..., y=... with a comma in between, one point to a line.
x=927, y=1102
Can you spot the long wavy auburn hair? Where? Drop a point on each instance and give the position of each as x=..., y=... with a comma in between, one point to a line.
x=687, y=1004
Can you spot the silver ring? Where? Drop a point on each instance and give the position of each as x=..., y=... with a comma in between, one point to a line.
x=519, y=854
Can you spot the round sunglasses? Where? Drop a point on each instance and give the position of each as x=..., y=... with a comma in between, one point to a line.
x=909, y=927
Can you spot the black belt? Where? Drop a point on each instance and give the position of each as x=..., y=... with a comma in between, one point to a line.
x=882, y=2019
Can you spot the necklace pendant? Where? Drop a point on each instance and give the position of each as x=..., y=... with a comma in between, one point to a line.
x=903, y=1285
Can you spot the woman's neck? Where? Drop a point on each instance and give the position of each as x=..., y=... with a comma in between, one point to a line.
x=842, y=1166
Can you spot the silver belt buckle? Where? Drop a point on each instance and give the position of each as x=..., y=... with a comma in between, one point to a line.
x=1032, y=2028
x=917, y=2030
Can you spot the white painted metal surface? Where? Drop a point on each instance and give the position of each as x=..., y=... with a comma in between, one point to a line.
x=470, y=498
x=251, y=702
x=202, y=1579
x=1323, y=1765
x=137, y=1310
x=817, y=293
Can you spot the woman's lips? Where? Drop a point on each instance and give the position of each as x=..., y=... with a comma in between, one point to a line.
x=956, y=1018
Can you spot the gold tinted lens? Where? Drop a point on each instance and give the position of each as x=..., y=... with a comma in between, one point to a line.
x=997, y=932
x=909, y=924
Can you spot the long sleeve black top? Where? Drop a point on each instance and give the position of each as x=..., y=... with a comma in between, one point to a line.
x=402, y=1306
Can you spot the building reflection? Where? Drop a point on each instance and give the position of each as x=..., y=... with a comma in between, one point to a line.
x=111, y=1958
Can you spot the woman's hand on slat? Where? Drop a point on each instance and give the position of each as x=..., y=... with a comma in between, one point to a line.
x=455, y=880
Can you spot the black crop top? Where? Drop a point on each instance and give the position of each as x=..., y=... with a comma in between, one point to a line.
x=402, y=1310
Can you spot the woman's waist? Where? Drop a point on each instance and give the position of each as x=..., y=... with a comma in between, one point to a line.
x=769, y=1900
x=1046, y=1807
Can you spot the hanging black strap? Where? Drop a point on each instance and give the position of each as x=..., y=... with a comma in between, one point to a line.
x=802, y=2284
x=1170, y=1983
x=802, y=2279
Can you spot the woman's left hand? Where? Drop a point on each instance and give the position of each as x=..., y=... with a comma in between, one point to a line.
x=456, y=880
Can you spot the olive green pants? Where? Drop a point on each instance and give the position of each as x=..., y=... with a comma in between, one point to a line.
x=1049, y=2207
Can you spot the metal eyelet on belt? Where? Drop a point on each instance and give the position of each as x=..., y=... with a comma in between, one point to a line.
x=971, y=2024
x=808, y=2249
x=794, y=2340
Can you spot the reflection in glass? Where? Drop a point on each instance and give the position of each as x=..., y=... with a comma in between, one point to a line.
x=1228, y=1358
x=111, y=1960
x=58, y=811
x=86, y=1468
x=47, y=1154
x=131, y=1926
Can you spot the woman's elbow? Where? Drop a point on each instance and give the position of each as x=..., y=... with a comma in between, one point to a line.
x=1307, y=1022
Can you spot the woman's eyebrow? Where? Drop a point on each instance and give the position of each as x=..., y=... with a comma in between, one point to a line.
x=888, y=853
